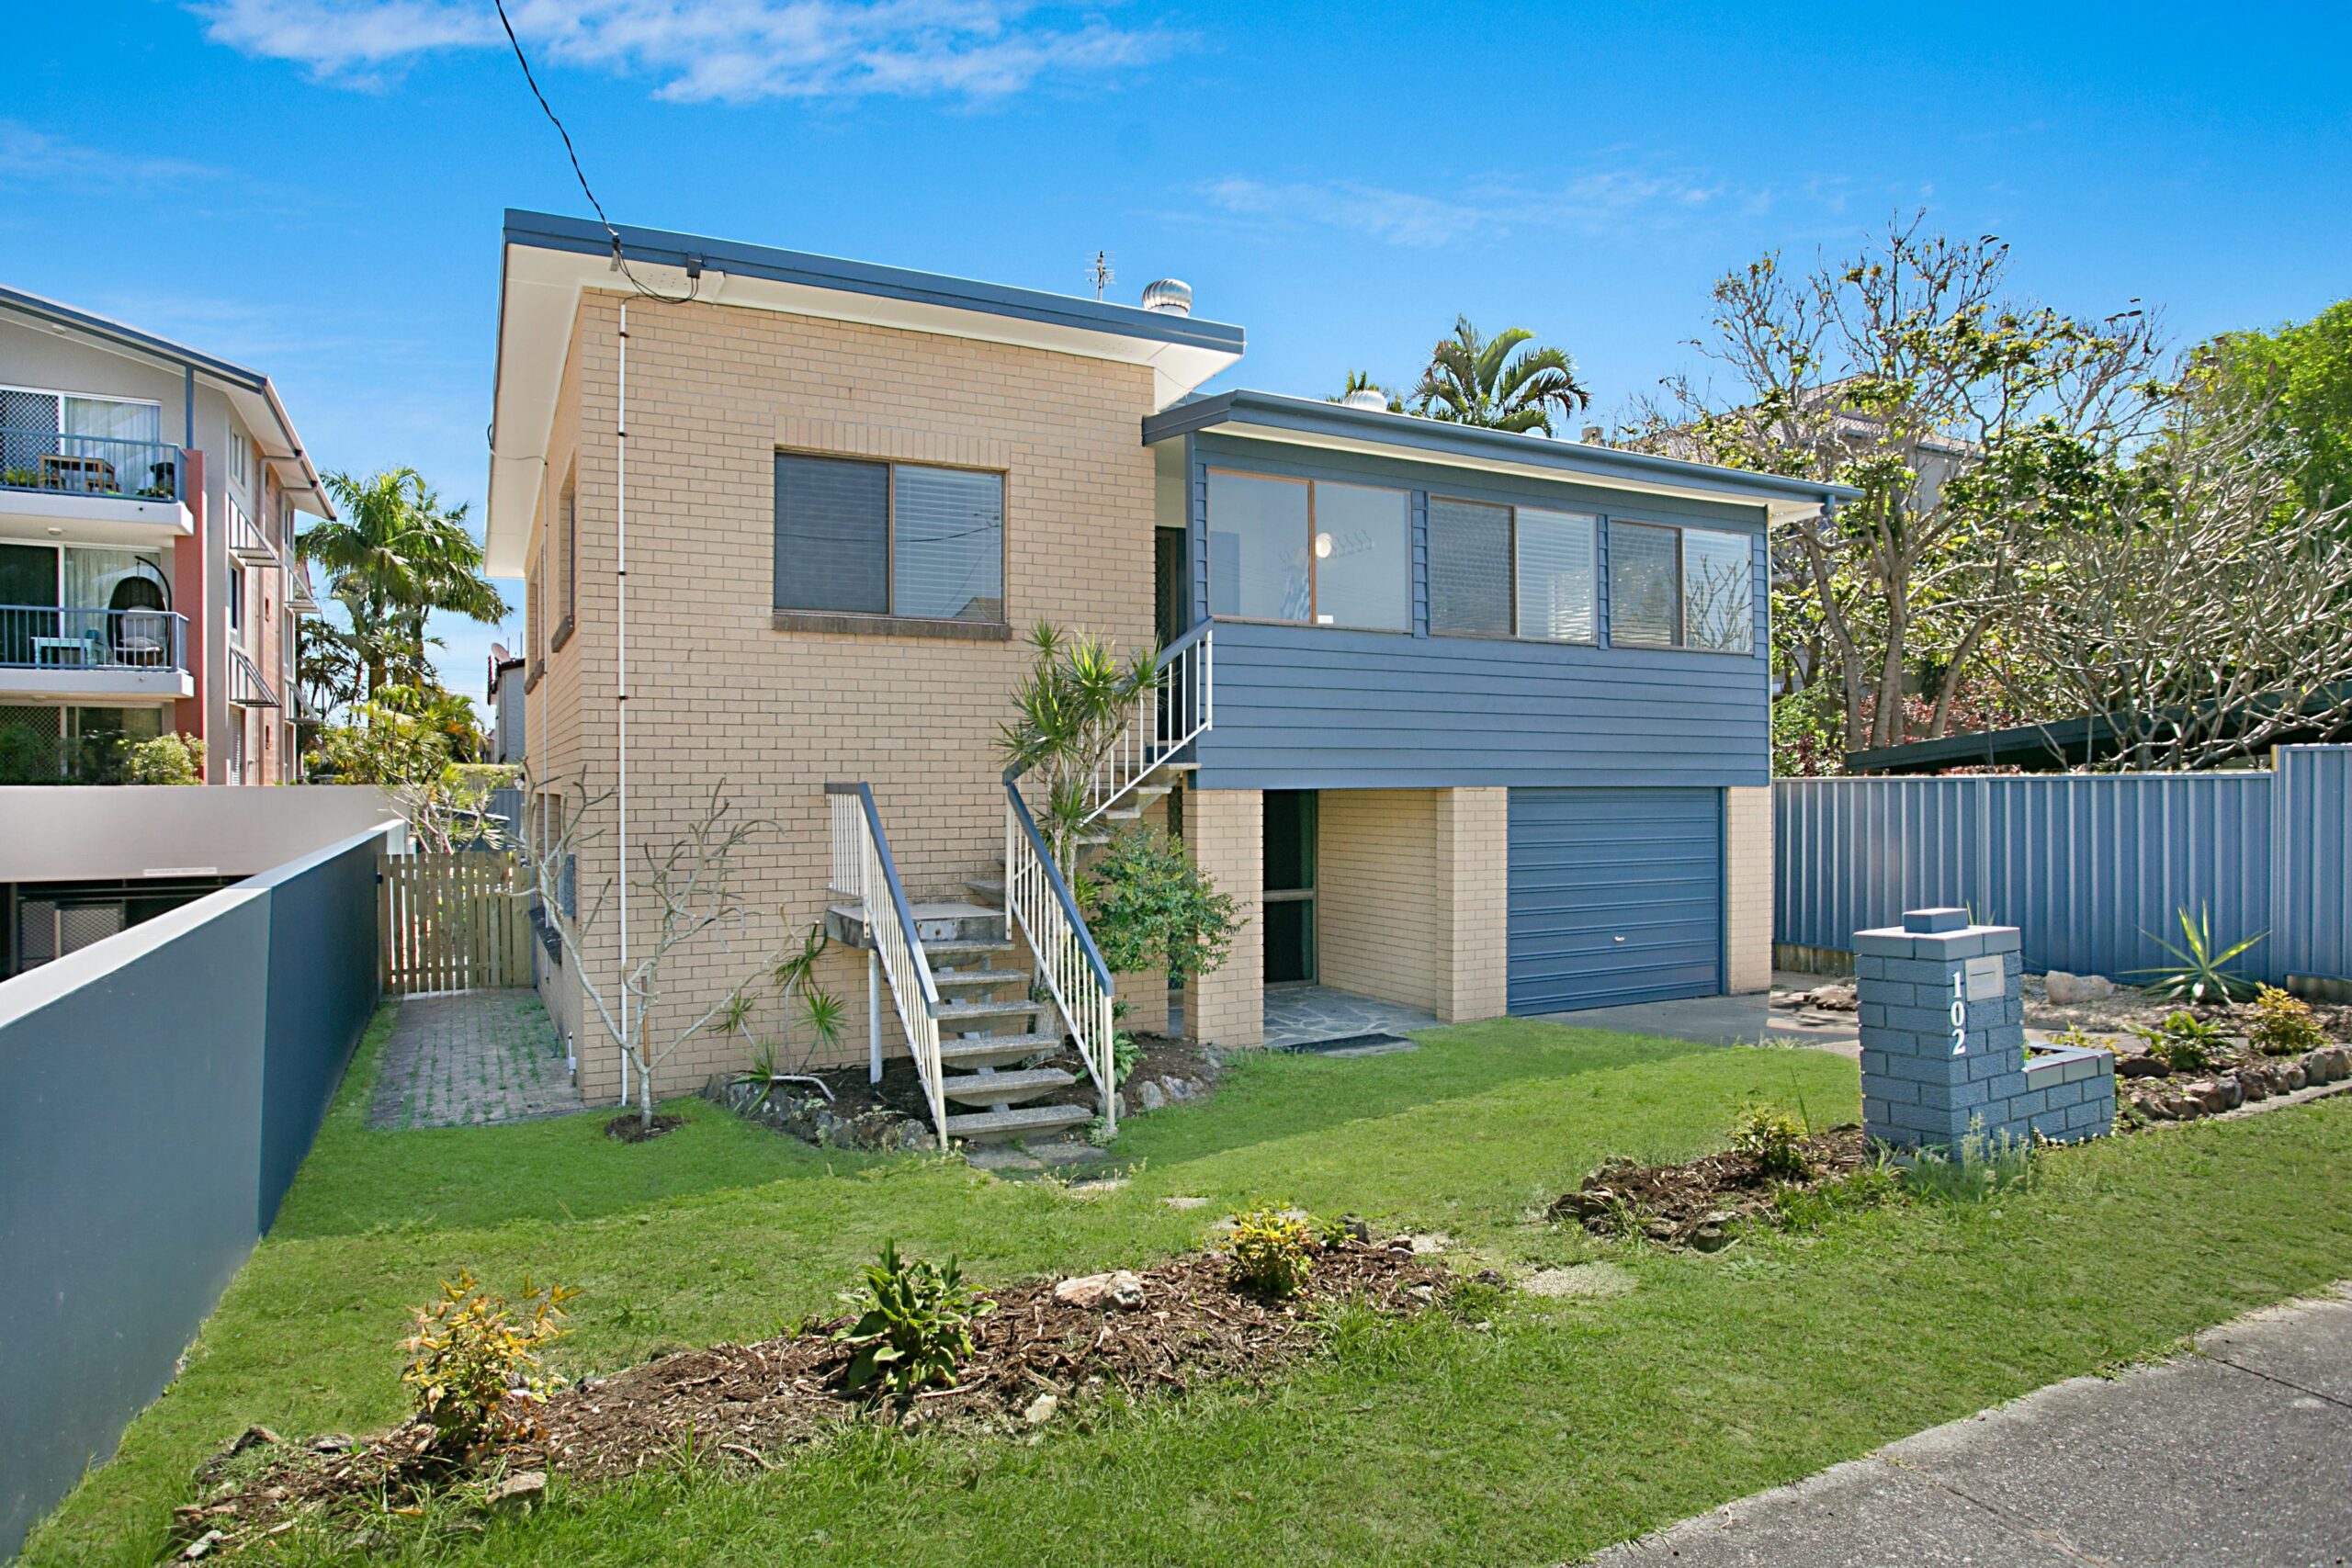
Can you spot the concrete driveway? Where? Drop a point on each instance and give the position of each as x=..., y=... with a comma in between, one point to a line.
x=1730, y=1021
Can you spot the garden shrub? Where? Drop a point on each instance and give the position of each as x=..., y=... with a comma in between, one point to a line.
x=914, y=1325
x=1270, y=1253
x=165, y=759
x=2183, y=1043
x=2283, y=1024
x=1774, y=1139
x=473, y=1363
x=1149, y=907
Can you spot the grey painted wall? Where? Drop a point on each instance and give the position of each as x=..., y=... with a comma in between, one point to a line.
x=162, y=1087
x=1316, y=708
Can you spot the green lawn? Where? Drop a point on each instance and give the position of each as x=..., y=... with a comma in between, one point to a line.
x=1567, y=1426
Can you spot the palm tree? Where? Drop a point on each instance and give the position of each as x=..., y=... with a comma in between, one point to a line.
x=1477, y=380
x=394, y=557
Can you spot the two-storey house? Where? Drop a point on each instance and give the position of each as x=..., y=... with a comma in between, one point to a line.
x=1467, y=722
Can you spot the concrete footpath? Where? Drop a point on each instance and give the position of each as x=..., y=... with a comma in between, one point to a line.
x=2238, y=1457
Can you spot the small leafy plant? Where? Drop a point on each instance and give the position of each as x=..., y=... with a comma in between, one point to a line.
x=473, y=1363
x=2283, y=1024
x=2199, y=971
x=821, y=1012
x=1150, y=908
x=1270, y=1253
x=2183, y=1043
x=1982, y=1166
x=914, y=1325
x=1774, y=1140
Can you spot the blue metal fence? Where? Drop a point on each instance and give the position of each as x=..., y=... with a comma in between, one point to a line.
x=164, y=1084
x=2092, y=867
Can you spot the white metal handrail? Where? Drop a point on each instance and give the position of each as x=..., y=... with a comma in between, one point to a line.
x=863, y=870
x=1038, y=901
x=1170, y=713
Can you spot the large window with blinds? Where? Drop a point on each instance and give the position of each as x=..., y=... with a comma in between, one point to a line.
x=1512, y=572
x=867, y=538
x=1682, y=588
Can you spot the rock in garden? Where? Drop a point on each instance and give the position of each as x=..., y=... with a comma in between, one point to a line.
x=1712, y=1232
x=1359, y=1229
x=201, y=1547
x=520, y=1490
x=2183, y=1107
x=2332, y=1064
x=1149, y=1096
x=2252, y=1084
x=2066, y=989
x=2213, y=1096
x=2139, y=1066
x=1177, y=1087
x=1041, y=1410
x=252, y=1437
x=2292, y=1077
x=1118, y=1289
x=332, y=1443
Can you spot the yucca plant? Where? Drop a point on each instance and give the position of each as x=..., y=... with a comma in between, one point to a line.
x=821, y=1012
x=2196, y=972
x=1068, y=710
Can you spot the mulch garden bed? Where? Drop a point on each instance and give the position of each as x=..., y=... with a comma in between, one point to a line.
x=1171, y=1328
x=1697, y=1205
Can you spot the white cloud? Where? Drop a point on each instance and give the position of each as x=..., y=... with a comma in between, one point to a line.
x=1605, y=200
x=698, y=50
x=28, y=156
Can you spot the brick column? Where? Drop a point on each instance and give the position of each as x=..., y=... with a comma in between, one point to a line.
x=1225, y=830
x=1748, y=890
x=1942, y=1028
x=1473, y=861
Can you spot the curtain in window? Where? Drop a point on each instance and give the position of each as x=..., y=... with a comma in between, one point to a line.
x=1258, y=549
x=94, y=576
x=1718, y=592
x=1644, y=610
x=1363, y=557
x=947, y=559
x=1469, y=568
x=832, y=535
x=117, y=421
x=1555, y=575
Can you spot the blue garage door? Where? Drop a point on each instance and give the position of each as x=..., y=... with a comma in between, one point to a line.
x=1616, y=895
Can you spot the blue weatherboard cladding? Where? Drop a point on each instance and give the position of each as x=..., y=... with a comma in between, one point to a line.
x=1615, y=897
x=1318, y=708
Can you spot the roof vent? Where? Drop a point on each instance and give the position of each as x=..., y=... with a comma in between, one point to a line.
x=1371, y=398
x=1168, y=296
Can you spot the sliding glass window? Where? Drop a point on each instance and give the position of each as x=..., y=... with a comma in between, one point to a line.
x=1682, y=588
x=1316, y=553
x=889, y=539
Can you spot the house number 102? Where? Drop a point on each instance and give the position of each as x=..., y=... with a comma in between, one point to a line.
x=1959, y=1019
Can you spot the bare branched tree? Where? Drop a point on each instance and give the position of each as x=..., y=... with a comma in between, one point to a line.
x=690, y=882
x=2202, y=620
x=1963, y=414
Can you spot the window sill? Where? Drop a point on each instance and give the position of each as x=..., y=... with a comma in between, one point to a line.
x=562, y=636
x=531, y=681
x=891, y=625
x=1310, y=626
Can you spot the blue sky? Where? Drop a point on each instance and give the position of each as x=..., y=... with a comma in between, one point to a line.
x=314, y=187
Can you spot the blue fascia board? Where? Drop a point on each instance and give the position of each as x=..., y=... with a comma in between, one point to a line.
x=586, y=237
x=1408, y=433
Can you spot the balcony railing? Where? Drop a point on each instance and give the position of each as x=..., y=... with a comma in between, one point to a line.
x=247, y=689
x=247, y=542
x=43, y=636
x=91, y=465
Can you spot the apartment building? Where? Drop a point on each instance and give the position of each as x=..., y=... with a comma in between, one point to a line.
x=1467, y=722
x=149, y=493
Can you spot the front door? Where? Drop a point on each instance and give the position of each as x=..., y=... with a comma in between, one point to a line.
x=1289, y=859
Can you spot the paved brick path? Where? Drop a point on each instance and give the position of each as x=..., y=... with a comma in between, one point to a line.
x=471, y=1058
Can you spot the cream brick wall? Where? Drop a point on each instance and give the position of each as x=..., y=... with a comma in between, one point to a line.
x=1473, y=852
x=1410, y=896
x=716, y=692
x=1748, y=889
x=1225, y=830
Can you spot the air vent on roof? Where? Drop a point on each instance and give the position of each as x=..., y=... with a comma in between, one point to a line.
x=1371, y=398
x=1168, y=295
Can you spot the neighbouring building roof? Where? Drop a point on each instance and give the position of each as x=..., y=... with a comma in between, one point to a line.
x=252, y=394
x=1309, y=422
x=549, y=262
x=2062, y=744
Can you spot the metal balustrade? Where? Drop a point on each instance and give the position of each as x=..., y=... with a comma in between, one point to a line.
x=48, y=636
x=91, y=465
x=1038, y=901
x=1170, y=713
x=863, y=870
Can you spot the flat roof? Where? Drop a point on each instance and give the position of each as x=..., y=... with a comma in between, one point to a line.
x=549, y=262
x=1310, y=422
x=255, y=395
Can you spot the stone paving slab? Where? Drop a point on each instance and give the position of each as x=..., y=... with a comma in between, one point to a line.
x=2239, y=1457
x=1300, y=1015
x=471, y=1059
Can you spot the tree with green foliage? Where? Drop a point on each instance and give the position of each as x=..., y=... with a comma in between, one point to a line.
x=1499, y=382
x=2304, y=370
x=1976, y=423
x=1072, y=706
x=1150, y=908
x=394, y=556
